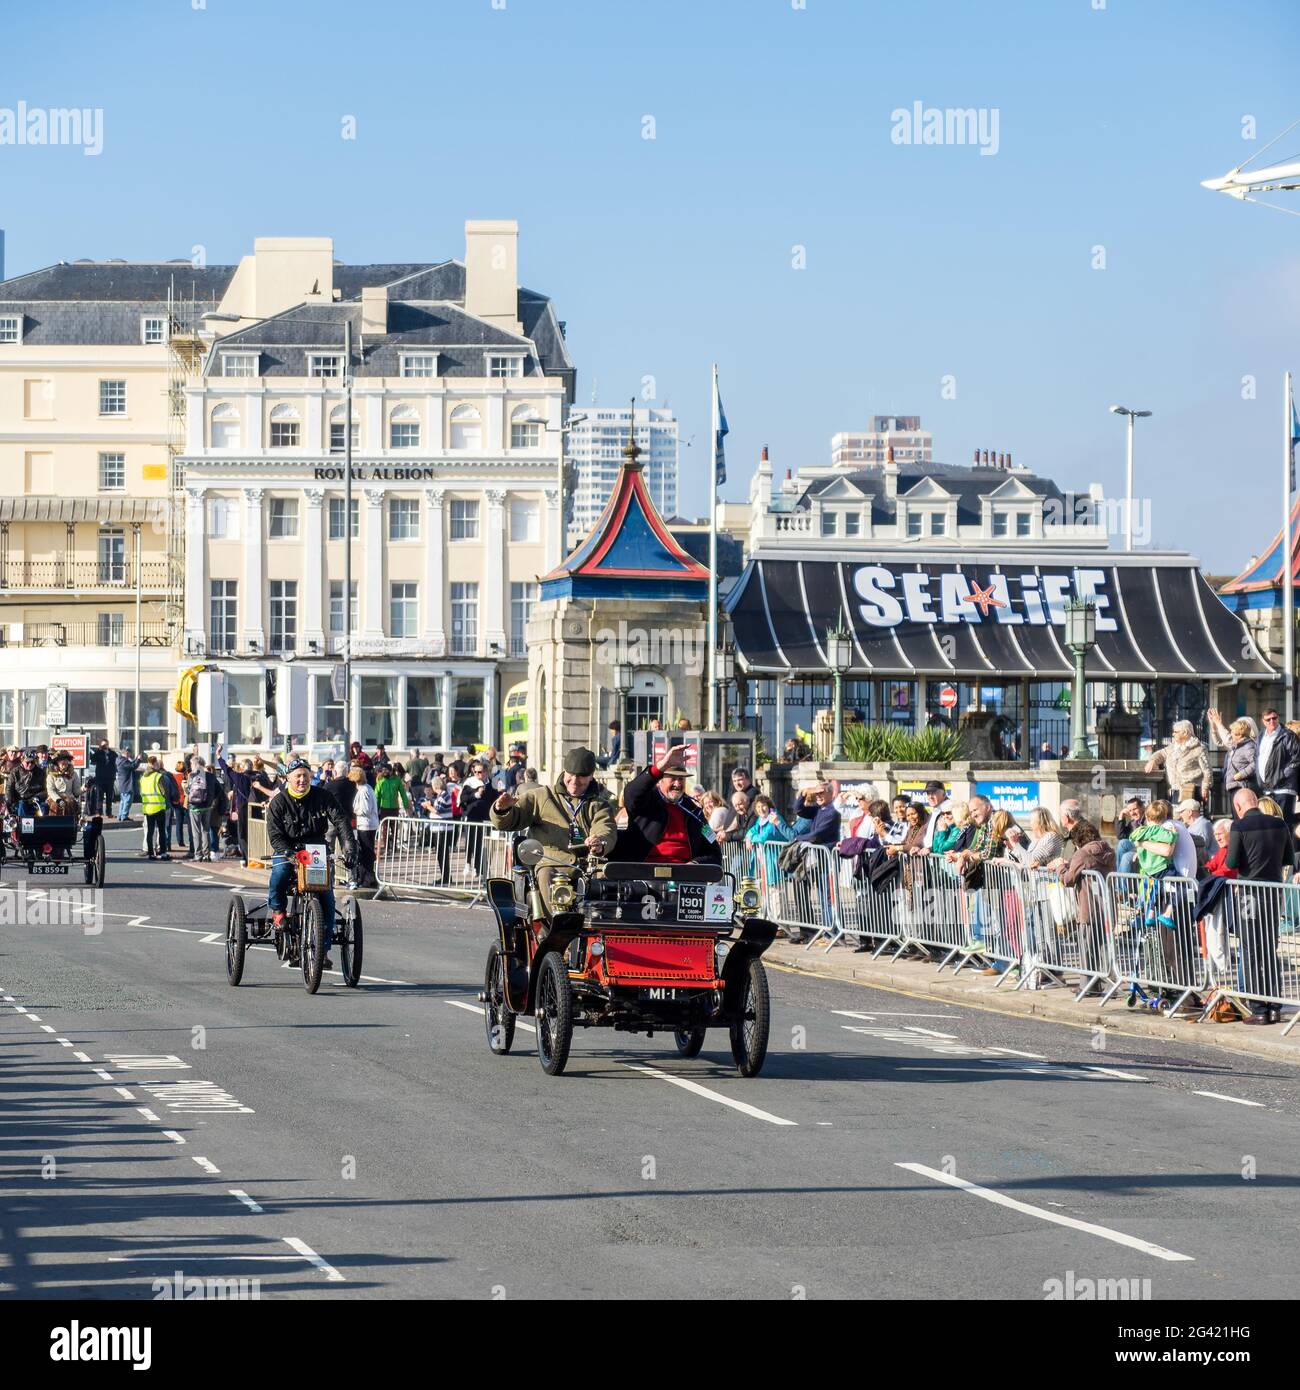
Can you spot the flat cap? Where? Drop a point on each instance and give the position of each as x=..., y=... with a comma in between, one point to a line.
x=580, y=762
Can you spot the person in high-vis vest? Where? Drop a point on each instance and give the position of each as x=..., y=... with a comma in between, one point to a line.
x=153, y=802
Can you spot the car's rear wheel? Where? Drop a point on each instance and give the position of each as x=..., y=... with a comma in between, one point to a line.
x=689, y=1041
x=236, y=939
x=312, y=943
x=497, y=1017
x=98, y=862
x=554, y=1014
x=348, y=934
x=749, y=1031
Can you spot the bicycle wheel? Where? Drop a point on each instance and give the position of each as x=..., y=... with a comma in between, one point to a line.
x=313, y=942
x=497, y=1018
x=236, y=939
x=97, y=864
x=348, y=938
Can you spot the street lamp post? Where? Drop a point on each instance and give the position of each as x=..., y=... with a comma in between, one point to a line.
x=725, y=671
x=623, y=676
x=839, y=650
x=1080, y=637
x=1128, y=491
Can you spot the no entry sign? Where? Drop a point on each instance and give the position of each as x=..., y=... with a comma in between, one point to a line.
x=948, y=697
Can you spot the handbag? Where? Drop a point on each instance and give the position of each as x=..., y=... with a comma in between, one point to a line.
x=852, y=847
x=972, y=874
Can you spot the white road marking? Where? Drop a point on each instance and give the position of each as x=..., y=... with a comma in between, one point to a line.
x=696, y=1089
x=124, y=1093
x=206, y=1164
x=148, y=1114
x=35, y=1018
x=1236, y=1100
x=1002, y=1200
x=912, y=1028
x=45, y=1028
x=18, y=1009
x=1016, y=1052
x=195, y=1097
x=246, y=1199
x=173, y=1136
x=1123, y=1075
x=889, y=1013
x=63, y=1042
x=211, y=937
x=308, y=1253
x=145, y=1061
x=478, y=1009
x=81, y=1057
x=824, y=1123
x=99, y=1071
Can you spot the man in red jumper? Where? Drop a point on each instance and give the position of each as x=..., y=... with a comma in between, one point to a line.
x=664, y=826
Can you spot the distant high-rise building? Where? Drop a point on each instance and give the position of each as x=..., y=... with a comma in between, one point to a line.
x=595, y=451
x=910, y=442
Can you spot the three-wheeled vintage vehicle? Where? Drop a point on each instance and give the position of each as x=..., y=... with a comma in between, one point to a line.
x=634, y=947
x=48, y=844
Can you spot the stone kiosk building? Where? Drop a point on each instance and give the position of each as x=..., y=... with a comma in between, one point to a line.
x=628, y=594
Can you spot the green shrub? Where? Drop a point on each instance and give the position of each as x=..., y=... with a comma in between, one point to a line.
x=887, y=743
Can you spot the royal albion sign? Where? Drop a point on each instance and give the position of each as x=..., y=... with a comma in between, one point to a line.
x=378, y=472
x=967, y=618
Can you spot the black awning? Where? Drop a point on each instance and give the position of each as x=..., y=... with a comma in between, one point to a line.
x=1155, y=618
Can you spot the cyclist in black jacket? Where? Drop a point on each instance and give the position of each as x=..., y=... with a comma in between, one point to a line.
x=297, y=815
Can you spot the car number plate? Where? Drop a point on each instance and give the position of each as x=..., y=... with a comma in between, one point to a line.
x=703, y=902
x=47, y=869
x=664, y=993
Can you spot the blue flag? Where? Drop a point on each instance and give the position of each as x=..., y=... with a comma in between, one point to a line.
x=719, y=452
x=1295, y=439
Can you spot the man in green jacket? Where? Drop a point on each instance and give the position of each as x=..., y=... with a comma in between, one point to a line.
x=575, y=811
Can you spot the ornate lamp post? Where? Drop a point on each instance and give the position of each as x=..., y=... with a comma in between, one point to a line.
x=623, y=676
x=839, y=650
x=1080, y=637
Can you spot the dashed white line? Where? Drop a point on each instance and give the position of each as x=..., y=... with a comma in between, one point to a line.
x=206, y=1164
x=63, y=1042
x=81, y=1057
x=124, y=1093
x=1236, y=1100
x=696, y=1089
x=35, y=1018
x=107, y=1076
x=929, y=1032
x=1002, y=1200
x=45, y=1028
x=478, y=1009
x=246, y=1199
x=1015, y=1052
x=308, y=1253
x=18, y=1009
x=1123, y=1075
x=148, y=1114
x=173, y=1136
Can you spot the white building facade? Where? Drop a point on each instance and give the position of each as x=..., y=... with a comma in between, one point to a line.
x=902, y=433
x=460, y=383
x=596, y=440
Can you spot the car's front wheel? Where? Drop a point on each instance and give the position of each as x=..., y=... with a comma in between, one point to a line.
x=554, y=1014
x=750, y=1029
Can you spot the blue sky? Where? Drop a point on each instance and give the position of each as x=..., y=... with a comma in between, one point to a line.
x=772, y=130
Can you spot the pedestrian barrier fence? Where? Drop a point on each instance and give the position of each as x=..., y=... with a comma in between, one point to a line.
x=259, y=844
x=450, y=858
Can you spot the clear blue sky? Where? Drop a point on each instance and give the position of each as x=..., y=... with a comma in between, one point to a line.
x=772, y=130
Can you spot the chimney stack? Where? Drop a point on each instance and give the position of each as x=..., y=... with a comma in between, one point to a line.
x=374, y=310
x=976, y=464
x=492, y=273
x=763, y=455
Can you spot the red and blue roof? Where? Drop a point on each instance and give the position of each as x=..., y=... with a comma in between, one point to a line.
x=629, y=553
x=1259, y=585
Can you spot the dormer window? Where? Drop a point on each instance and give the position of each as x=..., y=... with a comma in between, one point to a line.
x=852, y=523
x=11, y=328
x=419, y=364
x=830, y=525
x=914, y=520
x=153, y=330
x=503, y=365
x=938, y=524
x=1022, y=523
x=324, y=364
x=239, y=364
x=1000, y=523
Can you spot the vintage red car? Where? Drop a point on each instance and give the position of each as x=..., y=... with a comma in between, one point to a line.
x=638, y=948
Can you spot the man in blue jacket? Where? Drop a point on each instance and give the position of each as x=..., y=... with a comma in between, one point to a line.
x=818, y=802
x=125, y=783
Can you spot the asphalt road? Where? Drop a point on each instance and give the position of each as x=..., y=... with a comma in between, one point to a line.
x=366, y=1143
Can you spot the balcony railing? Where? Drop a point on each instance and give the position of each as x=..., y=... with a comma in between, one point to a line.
x=87, y=574
x=94, y=635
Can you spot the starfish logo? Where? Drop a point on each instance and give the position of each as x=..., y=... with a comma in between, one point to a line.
x=983, y=599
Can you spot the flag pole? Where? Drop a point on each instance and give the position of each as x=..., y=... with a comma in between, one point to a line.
x=1288, y=586
x=713, y=553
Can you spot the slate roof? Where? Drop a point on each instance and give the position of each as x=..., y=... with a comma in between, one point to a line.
x=102, y=302
x=968, y=484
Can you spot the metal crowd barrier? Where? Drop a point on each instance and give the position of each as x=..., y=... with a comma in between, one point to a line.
x=1252, y=946
x=1155, y=946
x=1067, y=931
x=452, y=858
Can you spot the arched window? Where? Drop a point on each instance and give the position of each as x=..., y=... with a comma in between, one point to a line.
x=225, y=427
x=338, y=429
x=466, y=428
x=404, y=428
x=525, y=427
x=284, y=427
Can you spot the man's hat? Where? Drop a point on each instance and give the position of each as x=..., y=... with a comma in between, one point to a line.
x=1188, y=804
x=676, y=768
x=933, y=786
x=580, y=762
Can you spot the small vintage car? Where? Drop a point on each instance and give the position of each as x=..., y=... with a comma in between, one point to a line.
x=638, y=948
x=49, y=844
